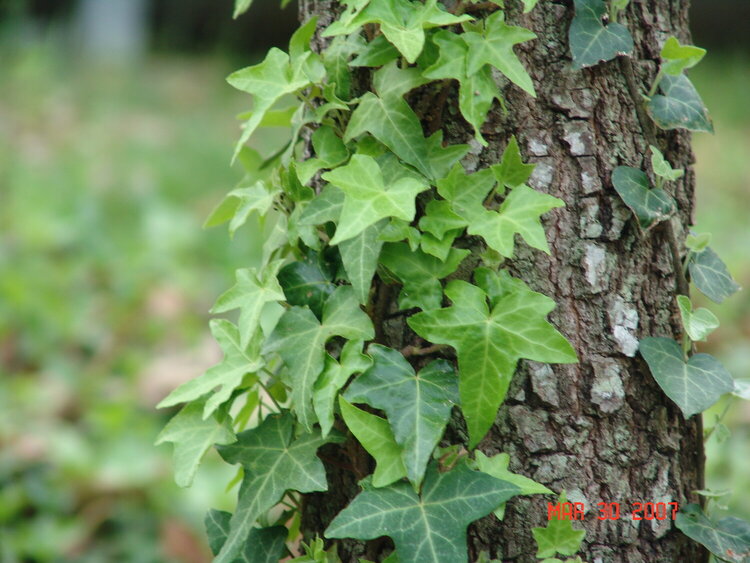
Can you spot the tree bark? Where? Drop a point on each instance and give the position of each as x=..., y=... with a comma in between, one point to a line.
x=600, y=429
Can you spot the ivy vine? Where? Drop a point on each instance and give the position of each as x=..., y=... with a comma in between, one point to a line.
x=376, y=198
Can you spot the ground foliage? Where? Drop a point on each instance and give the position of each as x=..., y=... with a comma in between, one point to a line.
x=381, y=199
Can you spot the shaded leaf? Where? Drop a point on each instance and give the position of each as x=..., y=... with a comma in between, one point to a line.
x=710, y=275
x=694, y=385
x=728, y=539
x=307, y=282
x=263, y=545
x=591, y=40
x=377, y=52
x=650, y=206
x=325, y=207
x=680, y=107
x=360, y=258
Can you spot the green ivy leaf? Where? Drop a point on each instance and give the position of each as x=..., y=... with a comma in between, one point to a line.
x=680, y=107
x=694, y=385
x=494, y=46
x=300, y=340
x=402, y=22
x=253, y=290
x=662, y=168
x=334, y=377
x=367, y=199
x=511, y=171
x=378, y=52
x=336, y=61
x=698, y=243
x=325, y=207
x=439, y=219
x=192, y=436
x=591, y=41
x=263, y=545
x=360, y=257
x=650, y=206
x=274, y=462
x=439, y=248
x=728, y=539
x=238, y=361
x=397, y=230
x=489, y=344
x=375, y=435
x=497, y=466
x=711, y=277
x=418, y=406
x=426, y=528
x=420, y=274
x=699, y=323
x=677, y=58
x=240, y=7
x=558, y=537
x=307, y=282
x=316, y=552
x=330, y=152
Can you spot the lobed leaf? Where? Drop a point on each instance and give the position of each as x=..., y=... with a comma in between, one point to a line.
x=592, y=40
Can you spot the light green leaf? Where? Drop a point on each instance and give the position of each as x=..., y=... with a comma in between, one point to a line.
x=418, y=406
x=307, y=282
x=192, y=436
x=336, y=61
x=439, y=248
x=240, y=7
x=397, y=230
x=367, y=199
x=360, y=258
x=497, y=466
x=662, y=168
x=238, y=361
x=430, y=528
x=439, y=219
x=300, y=339
x=274, y=462
x=677, y=58
x=558, y=537
x=420, y=274
x=441, y=159
x=680, y=107
x=325, y=207
x=528, y=5
x=402, y=22
x=650, y=206
x=489, y=344
x=376, y=437
x=377, y=52
x=263, y=545
x=591, y=41
x=699, y=323
x=728, y=539
x=512, y=171
x=694, y=385
x=711, y=277
x=250, y=294
x=316, y=552
x=494, y=46
x=698, y=243
x=334, y=377
x=330, y=151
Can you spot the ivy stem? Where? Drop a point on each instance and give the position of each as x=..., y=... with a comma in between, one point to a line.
x=416, y=351
x=263, y=386
x=655, y=85
x=718, y=420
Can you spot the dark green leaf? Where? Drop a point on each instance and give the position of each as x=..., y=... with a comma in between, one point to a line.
x=263, y=545
x=711, y=277
x=591, y=41
x=680, y=107
x=728, y=539
x=377, y=52
x=307, y=283
x=360, y=258
x=650, y=206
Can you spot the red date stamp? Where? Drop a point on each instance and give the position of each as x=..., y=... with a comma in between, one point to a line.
x=613, y=511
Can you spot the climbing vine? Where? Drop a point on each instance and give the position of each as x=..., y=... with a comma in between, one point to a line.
x=361, y=203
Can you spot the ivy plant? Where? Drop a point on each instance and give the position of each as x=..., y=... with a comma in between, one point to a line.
x=360, y=201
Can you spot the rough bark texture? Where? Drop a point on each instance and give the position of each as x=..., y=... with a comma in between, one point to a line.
x=601, y=429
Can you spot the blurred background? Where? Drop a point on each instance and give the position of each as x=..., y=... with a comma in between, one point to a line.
x=116, y=130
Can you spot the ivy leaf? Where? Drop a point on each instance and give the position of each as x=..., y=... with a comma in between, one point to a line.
x=439, y=219
x=528, y=5
x=662, y=168
x=591, y=41
x=489, y=344
x=336, y=61
x=300, y=340
x=728, y=539
x=512, y=171
x=397, y=230
x=476, y=90
x=494, y=46
x=360, y=257
x=227, y=376
x=377, y=52
x=430, y=528
x=192, y=436
x=274, y=462
x=441, y=159
x=376, y=437
x=250, y=294
x=420, y=274
x=367, y=200
x=330, y=151
x=258, y=197
x=497, y=466
x=307, y=282
x=650, y=206
x=263, y=545
x=711, y=277
x=418, y=406
x=677, y=58
x=694, y=385
x=698, y=243
x=699, y=323
x=334, y=377
x=680, y=107
x=402, y=22
x=325, y=207
x=439, y=248
x=558, y=537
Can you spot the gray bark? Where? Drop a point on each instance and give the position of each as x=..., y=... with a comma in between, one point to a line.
x=601, y=429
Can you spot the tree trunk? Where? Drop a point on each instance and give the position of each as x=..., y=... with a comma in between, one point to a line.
x=600, y=429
